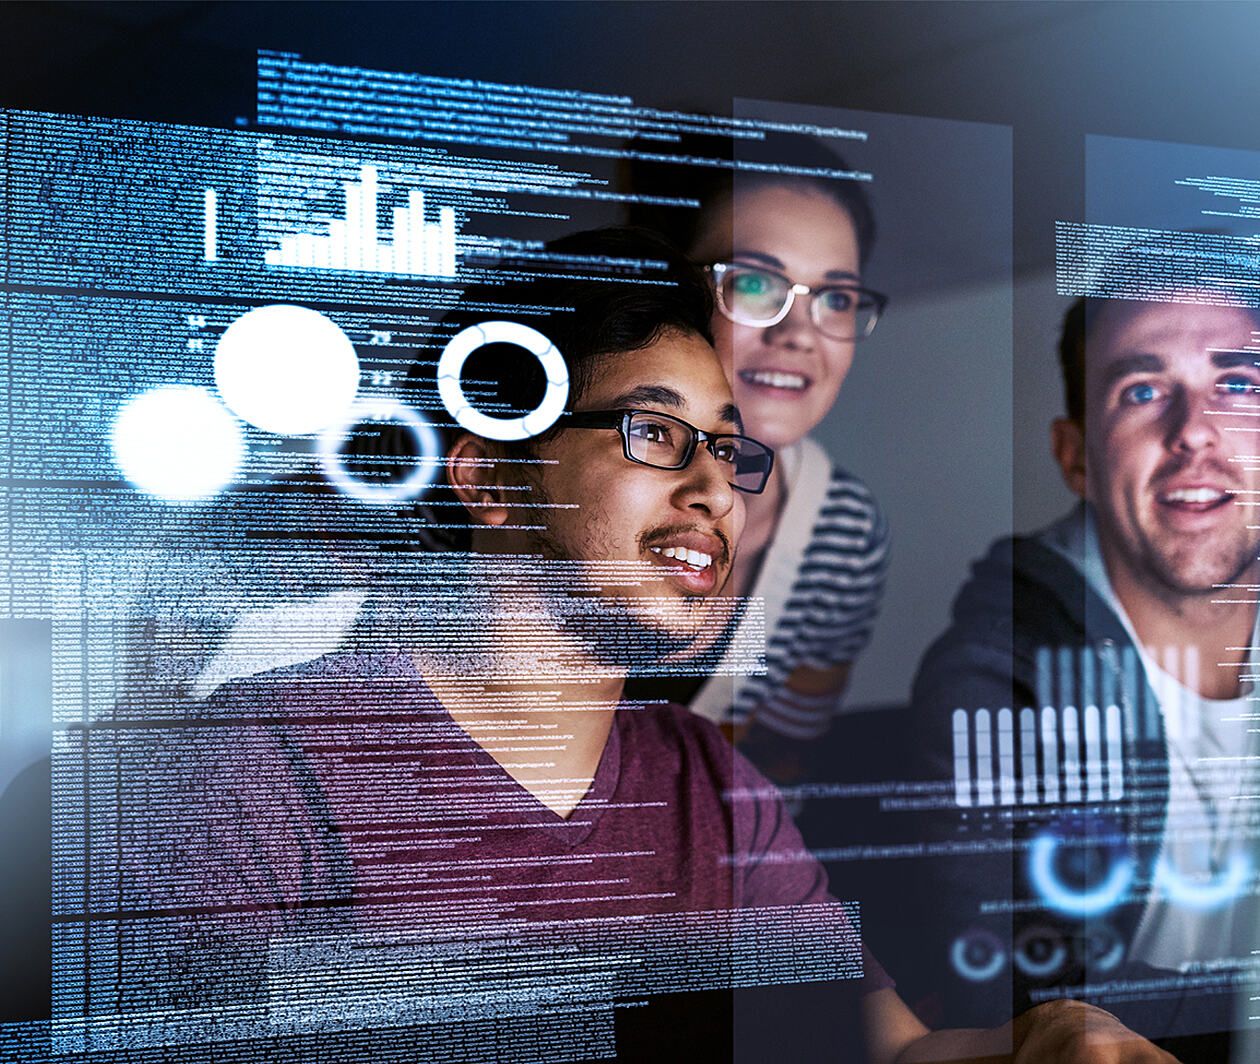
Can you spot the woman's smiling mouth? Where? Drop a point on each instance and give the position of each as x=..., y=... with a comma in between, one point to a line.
x=776, y=379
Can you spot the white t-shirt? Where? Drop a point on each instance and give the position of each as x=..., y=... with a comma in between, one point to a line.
x=1203, y=910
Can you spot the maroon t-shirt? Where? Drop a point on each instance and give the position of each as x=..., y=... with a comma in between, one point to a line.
x=344, y=784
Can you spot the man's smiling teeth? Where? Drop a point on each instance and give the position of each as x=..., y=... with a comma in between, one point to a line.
x=1193, y=495
x=775, y=379
x=696, y=559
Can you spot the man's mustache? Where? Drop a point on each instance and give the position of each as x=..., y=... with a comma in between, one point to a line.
x=1209, y=468
x=667, y=532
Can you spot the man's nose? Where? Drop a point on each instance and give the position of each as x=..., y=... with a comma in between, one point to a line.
x=705, y=485
x=1191, y=425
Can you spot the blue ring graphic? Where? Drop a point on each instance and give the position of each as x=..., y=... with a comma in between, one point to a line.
x=1203, y=897
x=977, y=973
x=1029, y=965
x=1112, y=955
x=1064, y=899
x=426, y=438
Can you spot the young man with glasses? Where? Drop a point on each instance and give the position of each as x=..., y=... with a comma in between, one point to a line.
x=472, y=782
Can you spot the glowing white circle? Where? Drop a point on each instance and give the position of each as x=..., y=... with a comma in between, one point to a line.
x=177, y=442
x=286, y=369
x=465, y=342
x=422, y=432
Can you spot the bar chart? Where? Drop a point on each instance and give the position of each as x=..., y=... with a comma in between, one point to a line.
x=354, y=242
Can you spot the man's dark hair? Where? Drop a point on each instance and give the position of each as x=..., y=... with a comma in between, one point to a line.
x=1164, y=267
x=725, y=164
x=1072, y=360
x=592, y=294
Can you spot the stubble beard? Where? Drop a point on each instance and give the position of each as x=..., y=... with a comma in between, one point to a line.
x=1192, y=570
x=616, y=630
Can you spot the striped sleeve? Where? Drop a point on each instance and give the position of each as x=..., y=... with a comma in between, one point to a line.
x=830, y=613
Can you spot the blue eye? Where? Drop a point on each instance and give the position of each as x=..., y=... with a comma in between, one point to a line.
x=1237, y=385
x=1139, y=394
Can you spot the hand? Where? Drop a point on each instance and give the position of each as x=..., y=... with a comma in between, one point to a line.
x=1058, y=1032
x=1071, y=1032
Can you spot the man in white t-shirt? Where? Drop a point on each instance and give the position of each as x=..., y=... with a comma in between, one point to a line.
x=1090, y=712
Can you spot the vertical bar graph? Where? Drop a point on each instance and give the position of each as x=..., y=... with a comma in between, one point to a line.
x=1028, y=754
x=1071, y=756
x=1115, y=754
x=1091, y=767
x=1045, y=677
x=962, y=758
x=1050, y=753
x=1130, y=693
x=984, y=758
x=1093, y=754
x=1006, y=757
x=414, y=247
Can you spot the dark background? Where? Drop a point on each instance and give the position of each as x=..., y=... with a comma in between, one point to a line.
x=948, y=427
x=1053, y=71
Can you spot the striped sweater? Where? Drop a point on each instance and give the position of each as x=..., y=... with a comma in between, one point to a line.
x=822, y=577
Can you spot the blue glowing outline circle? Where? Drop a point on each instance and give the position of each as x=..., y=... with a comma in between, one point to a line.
x=1076, y=902
x=1203, y=897
x=973, y=974
x=1114, y=954
x=471, y=339
x=331, y=438
x=1039, y=969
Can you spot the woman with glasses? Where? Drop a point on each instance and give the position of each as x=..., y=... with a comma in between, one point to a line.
x=785, y=255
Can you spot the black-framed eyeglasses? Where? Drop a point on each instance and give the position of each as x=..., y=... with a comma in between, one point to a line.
x=761, y=297
x=664, y=442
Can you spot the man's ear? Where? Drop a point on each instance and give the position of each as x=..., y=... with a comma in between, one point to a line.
x=1067, y=439
x=473, y=472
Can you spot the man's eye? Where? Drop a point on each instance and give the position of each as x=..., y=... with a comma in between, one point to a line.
x=1237, y=385
x=651, y=431
x=727, y=452
x=1139, y=394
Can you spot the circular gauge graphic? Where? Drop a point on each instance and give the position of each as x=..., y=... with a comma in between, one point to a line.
x=475, y=337
x=177, y=442
x=977, y=955
x=1081, y=868
x=286, y=369
x=1101, y=948
x=1040, y=951
x=1206, y=891
x=425, y=442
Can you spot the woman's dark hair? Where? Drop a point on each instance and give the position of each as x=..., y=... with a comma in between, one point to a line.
x=718, y=165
